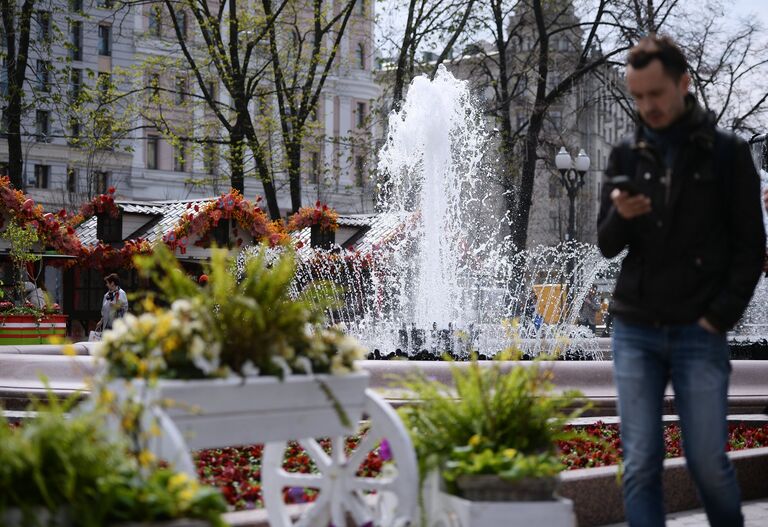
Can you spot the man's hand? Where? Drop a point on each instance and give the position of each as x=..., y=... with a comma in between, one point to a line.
x=630, y=207
x=704, y=323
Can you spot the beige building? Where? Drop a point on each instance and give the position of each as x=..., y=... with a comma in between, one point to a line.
x=135, y=49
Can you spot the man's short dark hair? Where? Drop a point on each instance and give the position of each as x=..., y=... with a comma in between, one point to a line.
x=113, y=278
x=662, y=48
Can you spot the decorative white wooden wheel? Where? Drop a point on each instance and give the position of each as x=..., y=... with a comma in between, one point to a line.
x=342, y=495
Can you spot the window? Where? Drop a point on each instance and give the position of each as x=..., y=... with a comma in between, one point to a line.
x=74, y=132
x=179, y=157
x=361, y=56
x=108, y=229
x=220, y=233
x=103, y=83
x=211, y=87
x=104, y=4
x=76, y=40
x=75, y=83
x=43, y=75
x=210, y=157
x=153, y=144
x=556, y=118
x=155, y=21
x=359, y=170
x=181, y=18
x=4, y=78
x=554, y=188
x=181, y=90
x=361, y=115
x=361, y=6
x=71, y=179
x=42, y=125
x=76, y=5
x=100, y=181
x=42, y=172
x=154, y=84
x=314, y=173
x=43, y=26
x=105, y=40
x=3, y=168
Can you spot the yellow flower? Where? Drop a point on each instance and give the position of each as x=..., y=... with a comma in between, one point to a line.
x=170, y=344
x=69, y=350
x=146, y=458
x=178, y=480
x=107, y=396
x=154, y=430
x=148, y=304
x=510, y=452
x=475, y=440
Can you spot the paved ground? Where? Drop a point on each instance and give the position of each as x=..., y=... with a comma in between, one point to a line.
x=755, y=515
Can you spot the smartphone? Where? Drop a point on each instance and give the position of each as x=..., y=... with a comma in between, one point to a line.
x=624, y=184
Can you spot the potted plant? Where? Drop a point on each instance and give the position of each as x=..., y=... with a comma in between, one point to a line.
x=21, y=321
x=242, y=360
x=62, y=468
x=490, y=437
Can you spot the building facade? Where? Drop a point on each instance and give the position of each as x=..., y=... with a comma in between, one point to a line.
x=126, y=62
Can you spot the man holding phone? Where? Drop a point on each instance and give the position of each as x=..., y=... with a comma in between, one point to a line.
x=684, y=197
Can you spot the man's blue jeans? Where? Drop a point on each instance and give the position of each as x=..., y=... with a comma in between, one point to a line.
x=645, y=359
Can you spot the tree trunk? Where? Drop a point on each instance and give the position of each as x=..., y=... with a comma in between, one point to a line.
x=294, y=174
x=237, y=162
x=16, y=58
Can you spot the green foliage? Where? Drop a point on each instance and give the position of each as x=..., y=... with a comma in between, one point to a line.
x=490, y=421
x=254, y=319
x=22, y=241
x=62, y=460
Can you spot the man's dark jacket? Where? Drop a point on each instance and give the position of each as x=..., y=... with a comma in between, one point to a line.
x=700, y=251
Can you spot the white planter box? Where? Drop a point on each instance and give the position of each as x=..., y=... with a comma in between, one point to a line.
x=459, y=512
x=230, y=412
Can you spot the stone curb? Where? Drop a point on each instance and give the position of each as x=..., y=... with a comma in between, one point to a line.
x=597, y=497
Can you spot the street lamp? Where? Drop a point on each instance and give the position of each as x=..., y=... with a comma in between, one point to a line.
x=572, y=178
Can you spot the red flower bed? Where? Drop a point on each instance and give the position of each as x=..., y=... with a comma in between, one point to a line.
x=237, y=471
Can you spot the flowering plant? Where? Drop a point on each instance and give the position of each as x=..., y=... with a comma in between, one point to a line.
x=199, y=220
x=172, y=343
x=226, y=326
x=322, y=215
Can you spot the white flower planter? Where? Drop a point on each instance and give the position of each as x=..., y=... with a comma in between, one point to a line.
x=213, y=413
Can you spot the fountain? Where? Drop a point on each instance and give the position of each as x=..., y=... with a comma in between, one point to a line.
x=450, y=281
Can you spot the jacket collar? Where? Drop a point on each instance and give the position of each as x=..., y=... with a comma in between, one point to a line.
x=699, y=122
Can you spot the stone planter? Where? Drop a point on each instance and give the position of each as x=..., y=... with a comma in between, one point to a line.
x=30, y=329
x=489, y=487
x=458, y=512
x=496, y=505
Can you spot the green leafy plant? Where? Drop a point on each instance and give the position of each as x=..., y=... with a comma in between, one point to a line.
x=66, y=461
x=22, y=240
x=492, y=420
x=252, y=319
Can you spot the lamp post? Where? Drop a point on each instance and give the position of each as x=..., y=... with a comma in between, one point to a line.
x=572, y=178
